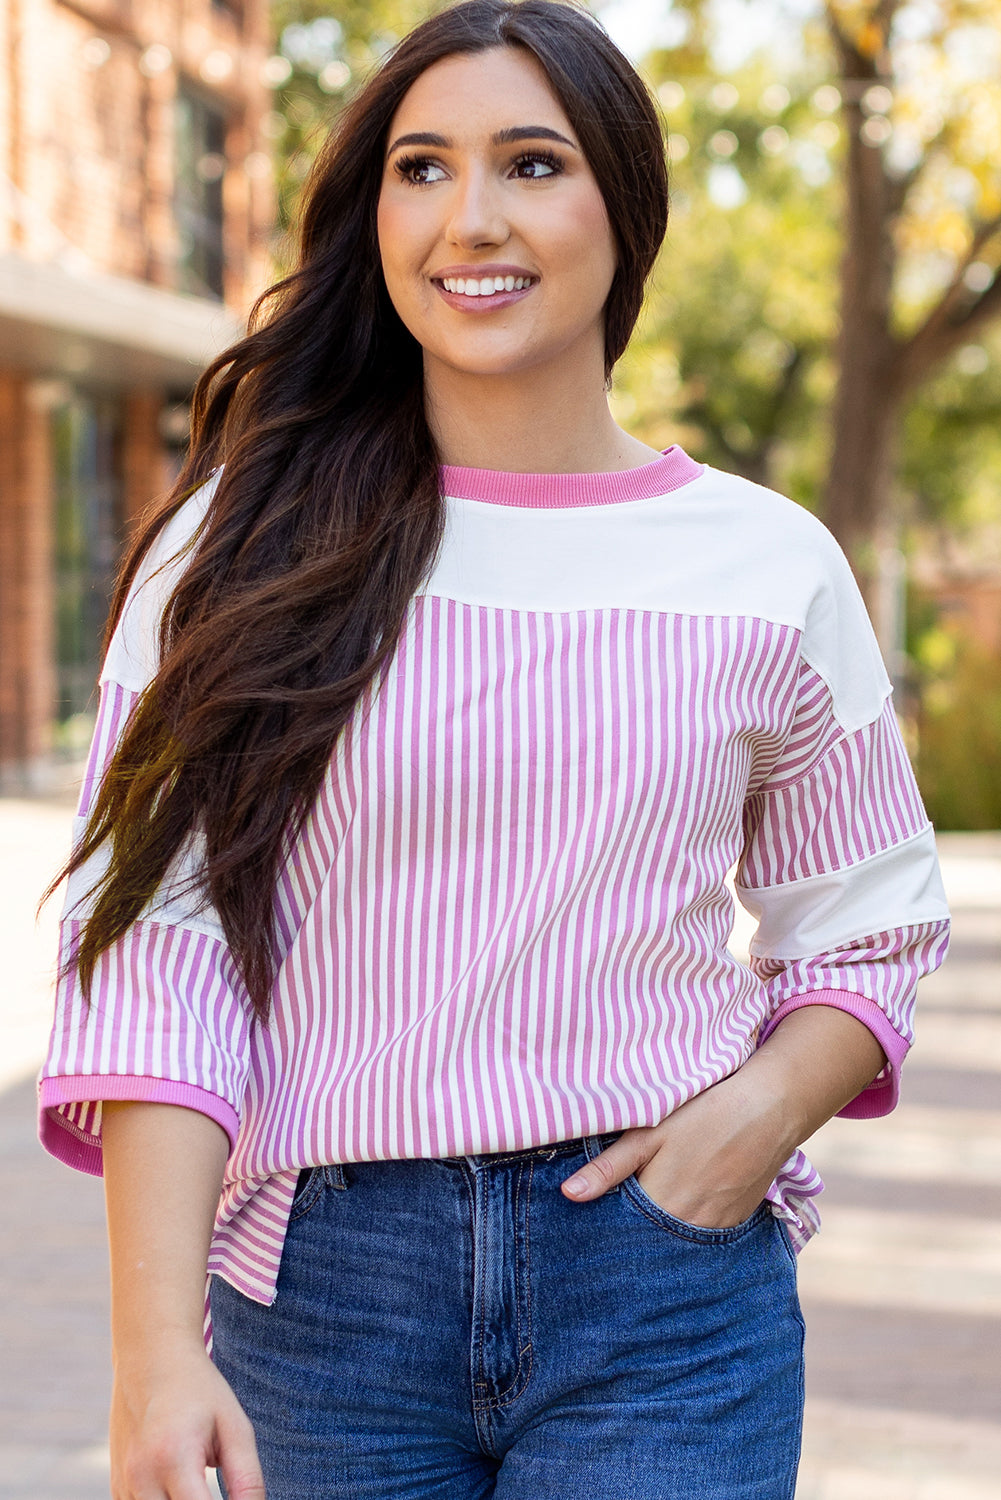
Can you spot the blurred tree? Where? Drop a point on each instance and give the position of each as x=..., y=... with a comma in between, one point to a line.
x=734, y=349
x=959, y=731
x=921, y=102
x=325, y=48
x=914, y=214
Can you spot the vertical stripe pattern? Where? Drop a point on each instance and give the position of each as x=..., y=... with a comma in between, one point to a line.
x=829, y=812
x=505, y=921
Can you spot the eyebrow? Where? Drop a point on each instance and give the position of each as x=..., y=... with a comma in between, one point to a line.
x=506, y=137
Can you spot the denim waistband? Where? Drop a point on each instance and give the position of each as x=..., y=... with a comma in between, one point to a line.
x=547, y=1152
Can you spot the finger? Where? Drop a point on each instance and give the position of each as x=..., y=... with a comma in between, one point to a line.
x=162, y=1478
x=243, y=1483
x=238, y=1461
x=632, y=1150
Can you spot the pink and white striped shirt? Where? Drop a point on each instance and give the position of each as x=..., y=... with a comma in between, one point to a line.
x=505, y=922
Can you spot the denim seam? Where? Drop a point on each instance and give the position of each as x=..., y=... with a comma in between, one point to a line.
x=477, y=1330
x=321, y=1177
x=311, y=1195
x=512, y=1392
x=563, y=1148
x=784, y=1237
x=693, y=1233
x=593, y=1146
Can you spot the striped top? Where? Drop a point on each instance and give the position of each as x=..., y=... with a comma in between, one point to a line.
x=505, y=921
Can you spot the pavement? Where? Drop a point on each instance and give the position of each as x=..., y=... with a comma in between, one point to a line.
x=901, y=1290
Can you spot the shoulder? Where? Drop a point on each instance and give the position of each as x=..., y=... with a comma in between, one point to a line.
x=133, y=653
x=773, y=545
x=770, y=523
x=801, y=572
x=783, y=564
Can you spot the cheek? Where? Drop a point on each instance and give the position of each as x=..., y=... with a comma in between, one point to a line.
x=399, y=231
x=405, y=241
x=388, y=239
x=588, y=237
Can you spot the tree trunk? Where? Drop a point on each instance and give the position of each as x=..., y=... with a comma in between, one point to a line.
x=859, y=488
x=867, y=399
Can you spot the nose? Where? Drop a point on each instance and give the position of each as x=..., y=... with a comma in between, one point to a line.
x=477, y=213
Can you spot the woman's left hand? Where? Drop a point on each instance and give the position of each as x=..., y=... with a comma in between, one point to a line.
x=709, y=1163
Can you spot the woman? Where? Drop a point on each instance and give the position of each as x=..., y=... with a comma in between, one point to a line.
x=396, y=934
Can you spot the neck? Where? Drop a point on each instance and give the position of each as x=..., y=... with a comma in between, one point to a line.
x=528, y=423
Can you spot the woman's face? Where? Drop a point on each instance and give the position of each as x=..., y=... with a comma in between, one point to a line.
x=495, y=242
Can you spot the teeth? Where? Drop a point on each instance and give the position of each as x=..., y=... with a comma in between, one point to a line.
x=486, y=286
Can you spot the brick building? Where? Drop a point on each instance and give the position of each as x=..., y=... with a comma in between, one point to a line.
x=136, y=206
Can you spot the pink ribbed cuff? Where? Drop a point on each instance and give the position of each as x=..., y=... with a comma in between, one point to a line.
x=62, y=1139
x=880, y=1096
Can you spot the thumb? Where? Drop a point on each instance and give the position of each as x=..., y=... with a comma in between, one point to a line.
x=629, y=1153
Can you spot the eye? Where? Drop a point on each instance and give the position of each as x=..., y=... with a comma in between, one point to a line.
x=418, y=170
x=534, y=165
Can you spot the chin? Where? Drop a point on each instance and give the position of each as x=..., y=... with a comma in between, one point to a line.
x=483, y=363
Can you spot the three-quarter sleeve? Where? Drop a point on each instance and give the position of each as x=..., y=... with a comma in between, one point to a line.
x=167, y=1019
x=839, y=865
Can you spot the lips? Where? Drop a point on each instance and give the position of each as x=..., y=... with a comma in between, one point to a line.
x=483, y=288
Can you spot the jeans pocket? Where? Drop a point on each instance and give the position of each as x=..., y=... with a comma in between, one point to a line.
x=700, y=1234
x=785, y=1237
x=310, y=1186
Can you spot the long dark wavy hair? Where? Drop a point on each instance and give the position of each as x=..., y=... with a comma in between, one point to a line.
x=328, y=514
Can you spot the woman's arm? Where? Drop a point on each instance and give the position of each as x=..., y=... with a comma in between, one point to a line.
x=712, y=1161
x=172, y=1413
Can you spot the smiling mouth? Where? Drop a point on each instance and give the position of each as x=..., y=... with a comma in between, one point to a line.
x=484, y=286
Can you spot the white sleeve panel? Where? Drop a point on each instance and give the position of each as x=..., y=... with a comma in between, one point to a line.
x=898, y=887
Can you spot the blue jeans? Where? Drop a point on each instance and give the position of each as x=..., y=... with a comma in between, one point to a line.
x=459, y=1329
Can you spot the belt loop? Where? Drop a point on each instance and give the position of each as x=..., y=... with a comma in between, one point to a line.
x=595, y=1144
x=334, y=1176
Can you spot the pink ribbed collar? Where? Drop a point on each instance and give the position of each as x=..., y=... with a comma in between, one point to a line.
x=553, y=491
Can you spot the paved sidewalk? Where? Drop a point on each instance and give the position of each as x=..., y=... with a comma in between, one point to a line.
x=902, y=1291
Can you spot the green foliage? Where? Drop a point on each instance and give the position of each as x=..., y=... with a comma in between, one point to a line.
x=959, y=733
x=329, y=50
x=951, y=448
x=742, y=313
x=746, y=313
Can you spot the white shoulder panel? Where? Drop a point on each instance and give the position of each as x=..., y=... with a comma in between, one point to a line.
x=717, y=546
x=133, y=653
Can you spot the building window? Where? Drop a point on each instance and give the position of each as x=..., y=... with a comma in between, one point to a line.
x=86, y=461
x=200, y=166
